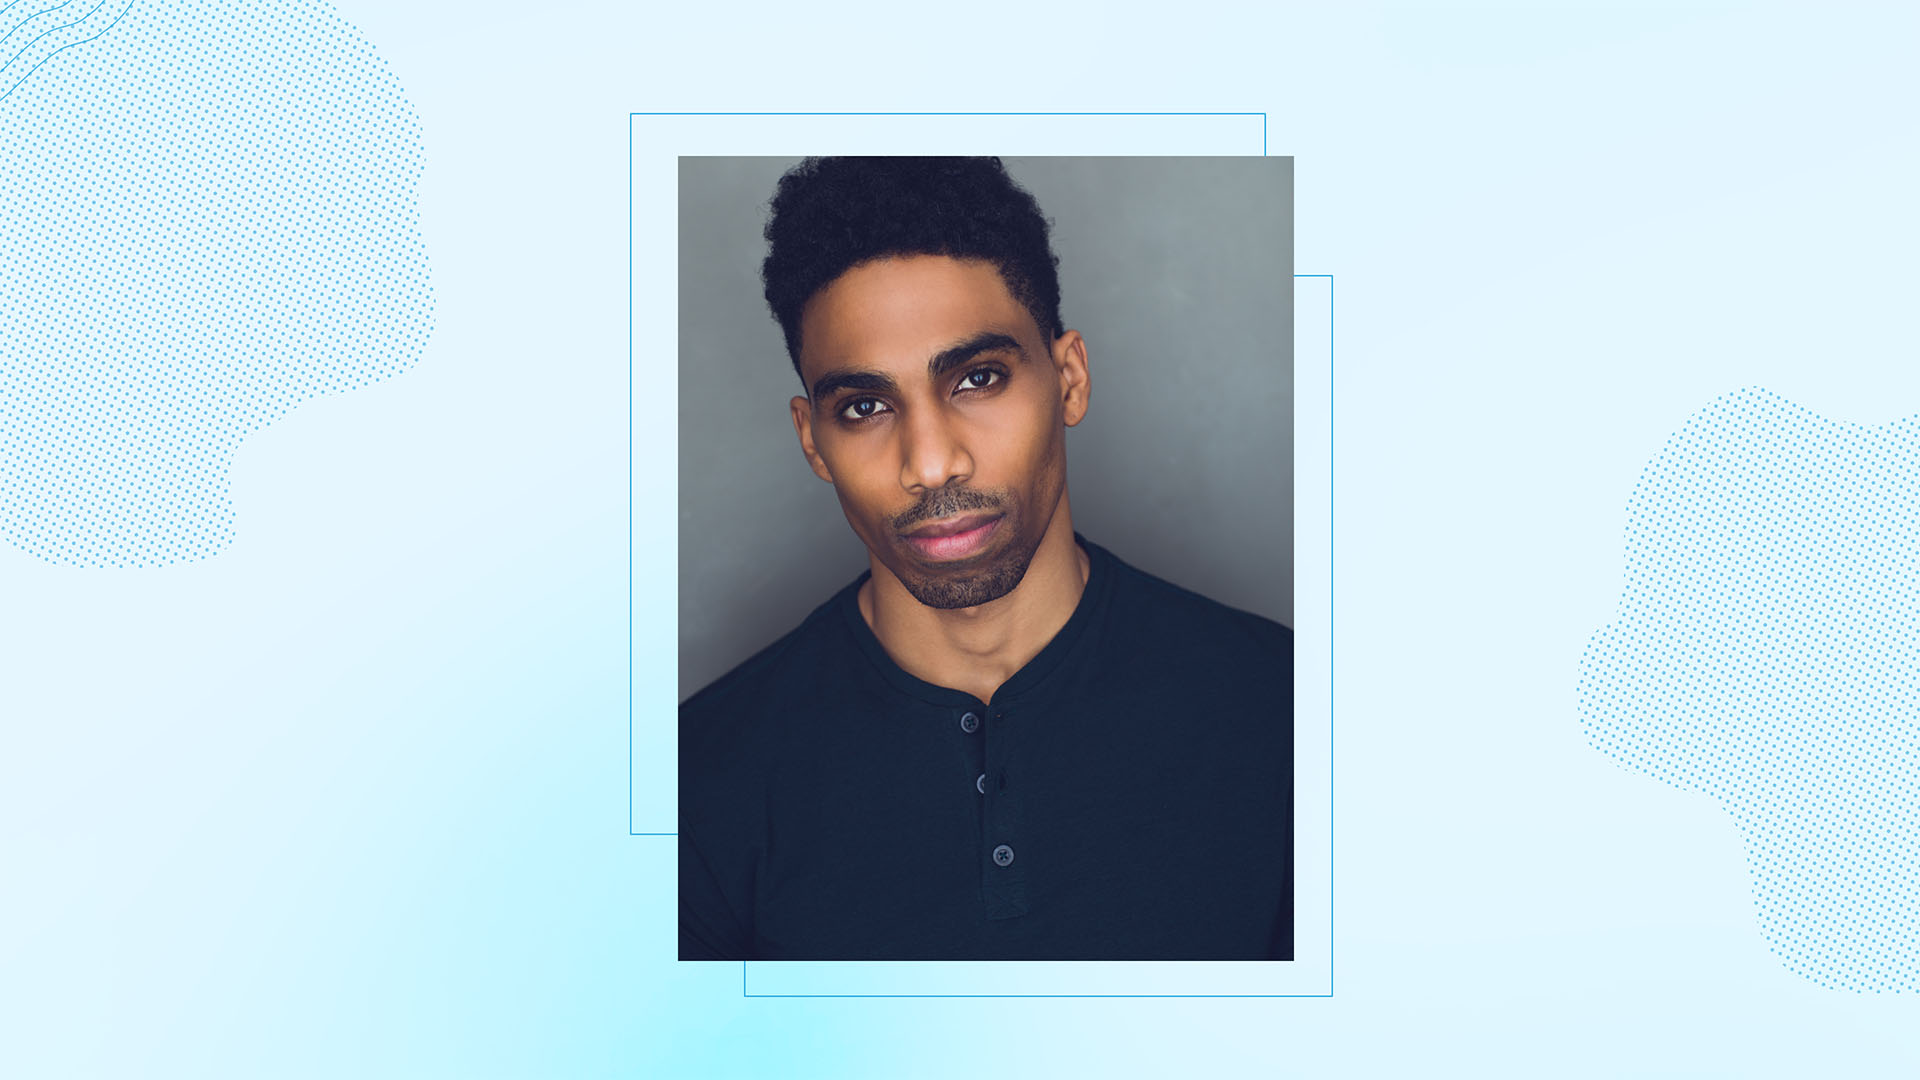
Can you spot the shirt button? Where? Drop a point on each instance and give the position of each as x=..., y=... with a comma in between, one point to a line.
x=1003, y=856
x=980, y=785
x=969, y=723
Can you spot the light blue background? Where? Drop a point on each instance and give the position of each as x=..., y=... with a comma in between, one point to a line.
x=349, y=798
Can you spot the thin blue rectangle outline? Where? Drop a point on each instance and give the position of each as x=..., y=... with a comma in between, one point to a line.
x=1331, y=771
x=630, y=364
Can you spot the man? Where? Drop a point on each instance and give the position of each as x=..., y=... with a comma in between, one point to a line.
x=1001, y=741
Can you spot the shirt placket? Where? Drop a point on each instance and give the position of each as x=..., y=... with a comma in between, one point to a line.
x=1003, y=865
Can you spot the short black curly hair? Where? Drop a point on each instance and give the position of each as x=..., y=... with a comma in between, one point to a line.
x=831, y=214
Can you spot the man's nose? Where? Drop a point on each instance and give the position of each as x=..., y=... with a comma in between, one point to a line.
x=934, y=454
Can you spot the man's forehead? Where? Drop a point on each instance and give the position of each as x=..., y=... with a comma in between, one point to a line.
x=901, y=311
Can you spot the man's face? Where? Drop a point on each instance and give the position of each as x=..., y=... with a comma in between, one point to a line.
x=938, y=412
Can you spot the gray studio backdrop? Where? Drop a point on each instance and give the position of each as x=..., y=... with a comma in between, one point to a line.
x=1179, y=274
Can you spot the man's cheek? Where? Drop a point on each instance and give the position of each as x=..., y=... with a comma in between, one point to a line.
x=865, y=515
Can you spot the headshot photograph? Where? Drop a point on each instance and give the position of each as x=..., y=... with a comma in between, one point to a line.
x=986, y=558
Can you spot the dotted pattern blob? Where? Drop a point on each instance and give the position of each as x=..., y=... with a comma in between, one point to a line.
x=208, y=214
x=1767, y=652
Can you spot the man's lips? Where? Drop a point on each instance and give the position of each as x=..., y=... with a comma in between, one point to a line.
x=963, y=523
x=954, y=538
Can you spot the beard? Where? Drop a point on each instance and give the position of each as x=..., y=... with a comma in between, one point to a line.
x=971, y=588
x=983, y=578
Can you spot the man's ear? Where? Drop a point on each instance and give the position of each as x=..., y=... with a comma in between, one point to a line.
x=1076, y=385
x=803, y=426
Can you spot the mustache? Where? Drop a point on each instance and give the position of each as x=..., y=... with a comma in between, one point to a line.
x=946, y=502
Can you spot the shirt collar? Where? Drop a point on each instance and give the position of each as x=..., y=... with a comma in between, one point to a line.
x=1088, y=612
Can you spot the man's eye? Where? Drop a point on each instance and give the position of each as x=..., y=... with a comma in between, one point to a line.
x=980, y=380
x=863, y=408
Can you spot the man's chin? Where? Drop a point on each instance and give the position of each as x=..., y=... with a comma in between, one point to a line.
x=967, y=583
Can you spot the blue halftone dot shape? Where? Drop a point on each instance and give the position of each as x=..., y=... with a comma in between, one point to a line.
x=1767, y=652
x=208, y=214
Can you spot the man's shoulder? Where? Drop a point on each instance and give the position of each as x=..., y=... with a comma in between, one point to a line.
x=1176, y=613
x=783, y=671
x=1228, y=671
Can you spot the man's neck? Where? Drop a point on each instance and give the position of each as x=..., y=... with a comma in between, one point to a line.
x=977, y=649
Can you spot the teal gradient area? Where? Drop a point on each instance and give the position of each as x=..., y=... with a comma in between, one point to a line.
x=396, y=840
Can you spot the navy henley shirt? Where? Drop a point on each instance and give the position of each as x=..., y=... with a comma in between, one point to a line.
x=1128, y=794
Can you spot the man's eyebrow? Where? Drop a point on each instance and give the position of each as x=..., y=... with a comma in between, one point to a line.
x=834, y=381
x=987, y=341
x=943, y=361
